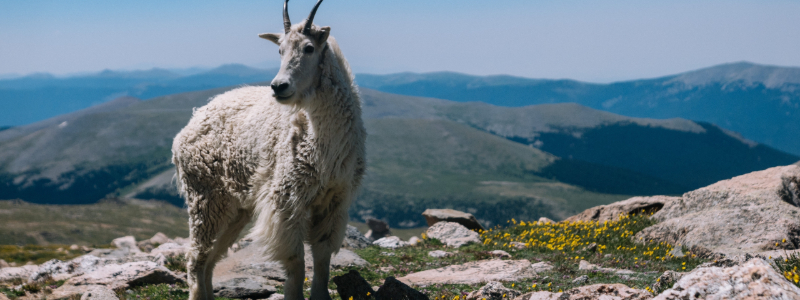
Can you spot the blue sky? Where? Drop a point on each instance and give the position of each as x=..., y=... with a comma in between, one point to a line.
x=598, y=41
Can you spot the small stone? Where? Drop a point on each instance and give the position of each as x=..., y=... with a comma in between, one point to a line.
x=4, y=264
x=518, y=245
x=545, y=220
x=387, y=253
x=439, y=253
x=677, y=252
x=390, y=242
x=127, y=244
x=500, y=253
x=413, y=241
x=591, y=248
x=581, y=279
x=353, y=239
x=493, y=291
x=387, y=269
x=433, y=216
x=275, y=297
x=74, y=247
x=453, y=234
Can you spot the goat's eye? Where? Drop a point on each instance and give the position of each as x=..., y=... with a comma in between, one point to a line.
x=308, y=49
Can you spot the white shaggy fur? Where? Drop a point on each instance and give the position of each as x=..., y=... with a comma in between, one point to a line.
x=294, y=165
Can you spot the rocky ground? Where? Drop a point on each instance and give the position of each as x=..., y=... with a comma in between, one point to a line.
x=736, y=239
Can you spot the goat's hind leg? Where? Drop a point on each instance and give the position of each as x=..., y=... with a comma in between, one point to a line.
x=224, y=239
x=326, y=234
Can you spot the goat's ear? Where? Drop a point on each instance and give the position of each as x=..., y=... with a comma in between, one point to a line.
x=273, y=37
x=322, y=36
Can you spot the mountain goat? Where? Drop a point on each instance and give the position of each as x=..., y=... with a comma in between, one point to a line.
x=291, y=157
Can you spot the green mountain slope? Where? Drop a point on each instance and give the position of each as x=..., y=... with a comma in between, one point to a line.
x=489, y=160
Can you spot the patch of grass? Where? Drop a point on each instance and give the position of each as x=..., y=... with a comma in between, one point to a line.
x=176, y=263
x=36, y=254
x=561, y=244
x=16, y=288
x=788, y=267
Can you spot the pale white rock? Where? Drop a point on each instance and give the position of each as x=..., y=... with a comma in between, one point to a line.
x=12, y=273
x=453, y=234
x=755, y=279
x=493, y=291
x=413, y=241
x=473, y=272
x=127, y=243
x=99, y=293
x=275, y=297
x=596, y=291
x=74, y=247
x=391, y=242
x=581, y=279
x=3, y=264
x=170, y=249
x=545, y=220
x=433, y=216
x=750, y=213
x=612, y=212
x=439, y=253
x=500, y=253
x=518, y=245
x=73, y=291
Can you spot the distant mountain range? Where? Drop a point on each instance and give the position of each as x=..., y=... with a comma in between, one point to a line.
x=497, y=162
x=760, y=102
x=40, y=96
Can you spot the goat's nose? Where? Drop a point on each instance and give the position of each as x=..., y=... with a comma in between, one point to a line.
x=279, y=87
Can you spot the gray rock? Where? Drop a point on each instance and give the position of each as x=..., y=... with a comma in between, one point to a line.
x=433, y=216
x=99, y=293
x=126, y=275
x=276, y=297
x=170, y=249
x=353, y=285
x=677, y=252
x=611, y=212
x=493, y=291
x=581, y=279
x=453, y=234
x=546, y=220
x=377, y=229
x=353, y=239
x=244, y=287
x=393, y=289
x=3, y=264
x=746, y=214
x=158, y=239
x=439, y=253
x=413, y=241
x=391, y=242
x=667, y=280
x=473, y=272
x=755, y=279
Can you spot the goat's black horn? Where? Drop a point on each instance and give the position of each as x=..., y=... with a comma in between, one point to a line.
x=310, y=19
x=287, y=25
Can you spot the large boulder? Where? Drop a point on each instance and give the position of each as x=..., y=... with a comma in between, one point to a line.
x=596, y=291
x=611, y=212
x=755, y=279
x=453, y=234
x=473, y=272
x=433, y=216
x=116, y=277
x=746, y=214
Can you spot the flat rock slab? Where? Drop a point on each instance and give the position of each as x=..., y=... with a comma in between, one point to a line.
x=99, y=293
x=433, y=216
x=473, y=272
x=751, y=213
x=126, y=275
x=596, y=291
x=755, y=279
x=243, y=288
